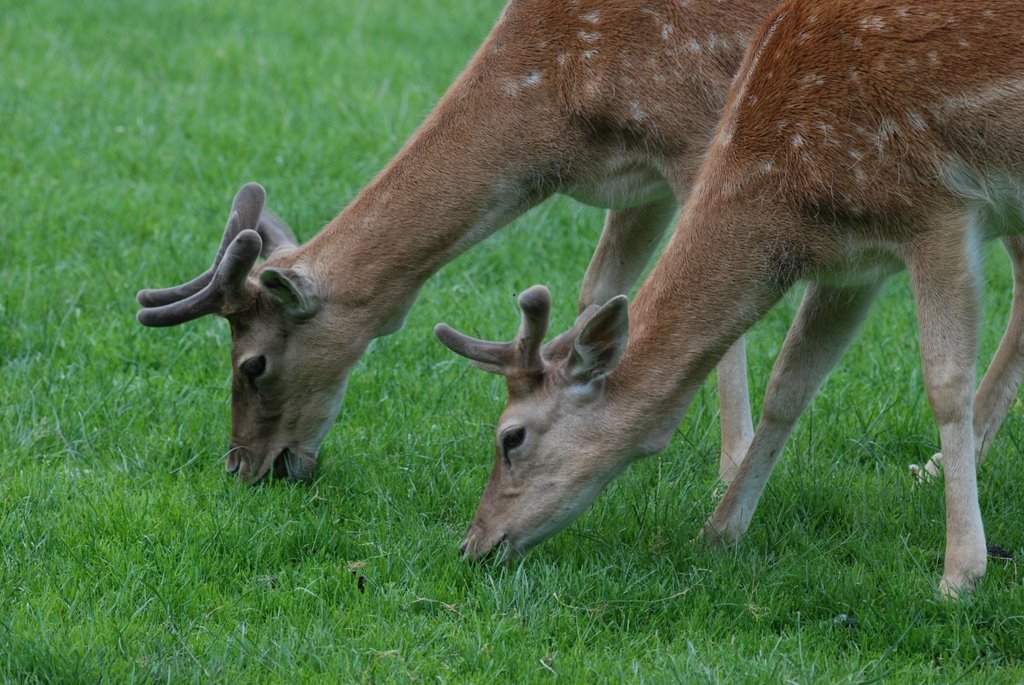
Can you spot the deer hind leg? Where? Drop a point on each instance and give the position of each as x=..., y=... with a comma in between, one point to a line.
x=944, y=279
x=1002, y=380
x=629, y=239
x=828, y=318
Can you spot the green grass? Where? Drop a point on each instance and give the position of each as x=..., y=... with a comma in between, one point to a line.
x=127, y=553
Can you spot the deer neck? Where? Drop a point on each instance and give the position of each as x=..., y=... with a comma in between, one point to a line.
x=553, y=101
x=715, y=280
x=443, y=193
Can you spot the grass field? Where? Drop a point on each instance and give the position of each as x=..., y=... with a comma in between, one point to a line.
x=129, y=556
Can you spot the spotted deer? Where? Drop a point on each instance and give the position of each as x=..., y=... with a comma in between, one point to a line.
x=860, y=137
x=609, y=101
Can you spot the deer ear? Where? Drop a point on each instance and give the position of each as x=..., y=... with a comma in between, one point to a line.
x=293, y=290
x=600, y=344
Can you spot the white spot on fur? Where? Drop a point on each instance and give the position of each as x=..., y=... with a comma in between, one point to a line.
x=592, y=17
x=872, y=24
x=588, y=54
x=635, y=111
x=933, y=57
x=887, y=130
x=798, y=140
x=859, y=174
x=666, y=31
x=532, y=79
x=826, y=130
x=767, y=166
x=693, y=46
x=562, y=57
x=812, y=80
x=589, y=36
x=916, y=120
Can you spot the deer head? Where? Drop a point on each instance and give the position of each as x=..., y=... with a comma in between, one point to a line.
x=286, y=382
x=555, y=445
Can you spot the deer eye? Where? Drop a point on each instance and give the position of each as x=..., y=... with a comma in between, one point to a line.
x=253, y=367
x=511, y=439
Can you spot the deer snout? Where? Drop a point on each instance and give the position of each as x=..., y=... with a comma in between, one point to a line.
x=295, y=465
x=478, y=545
x=248, y=465
x=236, y=455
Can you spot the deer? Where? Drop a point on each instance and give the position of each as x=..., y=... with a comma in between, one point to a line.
x=611, y=102
x=859, y=138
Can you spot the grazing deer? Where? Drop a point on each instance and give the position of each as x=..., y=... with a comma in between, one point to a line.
x=609, y=101
x=860, y=137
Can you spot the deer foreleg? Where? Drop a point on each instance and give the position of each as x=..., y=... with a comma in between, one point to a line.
x=629, y=239
x=826, y=322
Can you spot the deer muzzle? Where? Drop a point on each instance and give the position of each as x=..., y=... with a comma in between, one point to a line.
x=250, y=467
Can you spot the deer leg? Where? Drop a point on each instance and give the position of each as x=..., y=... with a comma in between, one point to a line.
x=828, y=318
x=1002, y=380
x=943, y=275
x=629, y=238
x=627, y=242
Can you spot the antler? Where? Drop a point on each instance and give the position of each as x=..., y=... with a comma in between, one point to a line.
x=523, y=354
x=251, y=232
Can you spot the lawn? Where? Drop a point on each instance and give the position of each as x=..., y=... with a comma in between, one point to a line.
x=129, y=555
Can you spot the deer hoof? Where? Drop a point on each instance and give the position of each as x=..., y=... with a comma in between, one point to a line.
x=934, y=466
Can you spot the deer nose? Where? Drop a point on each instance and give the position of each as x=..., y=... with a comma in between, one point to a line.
x=464, y=547
x=282, y=465
x=233, y=460
x=239, y=460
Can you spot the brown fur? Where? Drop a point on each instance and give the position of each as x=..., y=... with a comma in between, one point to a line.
x=860, y=137
x=612, y=101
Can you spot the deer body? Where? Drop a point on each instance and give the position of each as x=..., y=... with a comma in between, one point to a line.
x=609, y=101
x=860, y=137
